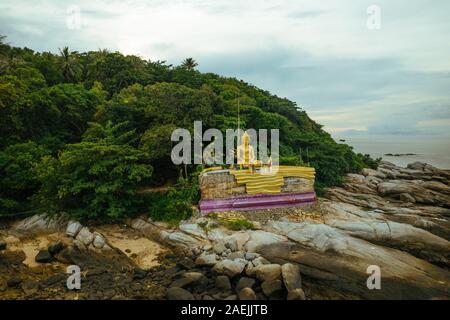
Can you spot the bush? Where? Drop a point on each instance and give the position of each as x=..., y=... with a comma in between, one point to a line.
x=18, y=179
x=238, y=224
x=94, y=179
x=175, y=205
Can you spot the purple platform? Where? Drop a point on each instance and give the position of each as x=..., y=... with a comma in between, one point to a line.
x=259, y=201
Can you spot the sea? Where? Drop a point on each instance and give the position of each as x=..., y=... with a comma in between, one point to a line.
x=404, y=149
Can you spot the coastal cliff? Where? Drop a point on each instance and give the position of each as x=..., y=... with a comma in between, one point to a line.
x=394, y=218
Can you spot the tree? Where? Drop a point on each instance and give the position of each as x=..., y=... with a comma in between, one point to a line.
x=69, y=64
x=59, y=114
x=189, y=64
x=97, y=178
x=18, y=179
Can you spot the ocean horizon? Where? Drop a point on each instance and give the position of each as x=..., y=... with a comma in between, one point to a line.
x=404, y=149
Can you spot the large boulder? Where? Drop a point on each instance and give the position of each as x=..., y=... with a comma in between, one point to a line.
x=260, y=238
x=99, y=241
x=176, y=293
x=223, y=283
x=230, y=268
x=296, y=294
x=191, y=280
x=259, y=261
x=320, y=250
x=43, y=256
x=39, y=224
x=268, y=272
x=194, y=230
x=291, y=276
x=55, y=247
x=73, y=227
x=85, y=236
x=245, y=282
x=206, y=259
x=272, y=289
x=247, y=294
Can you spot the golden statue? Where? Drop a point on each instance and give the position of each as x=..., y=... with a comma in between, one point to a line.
x=246, y=154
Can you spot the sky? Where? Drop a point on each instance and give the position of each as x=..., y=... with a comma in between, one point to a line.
x=360, y=68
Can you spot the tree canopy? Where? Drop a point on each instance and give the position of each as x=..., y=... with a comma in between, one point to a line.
x=80, y=132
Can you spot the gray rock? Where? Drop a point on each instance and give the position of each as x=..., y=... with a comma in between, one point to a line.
x=296, y=294
x=325, y=249
x=43, y=256
x=268, y=272
x=247, y=294
x=231, y=243
x=191, y=280
x=251, y=255
x=73, y=227
x=177, y=293
x=232, y=297
x=291, y=276
x=406, y=197
x=416, y=165
x=250, y=269
x=85, y=236
x=260, y=238
x=39, y=224
x=207, y=297
x=259, y=261
x=272, y=289
x=369, y=172
x=79, y=245
x=181, y=239
x=244, y=282
x=194, y=230
x=207, y=247
x=55, y=247
x=206, y=259
x=186, y=263
x=99, y=241
x=219, y=247
x=229, y=268
x=223, y=283
x=236, y=255
x=139, y=274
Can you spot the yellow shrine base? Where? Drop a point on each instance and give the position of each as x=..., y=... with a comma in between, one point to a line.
x=229, y=190
x=270, y=181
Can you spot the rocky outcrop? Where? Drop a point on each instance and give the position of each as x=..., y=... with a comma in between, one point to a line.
x=393, y=218
x=39, y=224
x=418, y=195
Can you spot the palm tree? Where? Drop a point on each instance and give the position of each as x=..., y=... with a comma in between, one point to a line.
x=69, y=64
x=189, y=64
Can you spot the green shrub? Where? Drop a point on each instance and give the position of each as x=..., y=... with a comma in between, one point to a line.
x=236, y=225
x=175, y=205
x=94, y=179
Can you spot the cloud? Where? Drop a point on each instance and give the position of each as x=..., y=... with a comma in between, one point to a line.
x=318, y=53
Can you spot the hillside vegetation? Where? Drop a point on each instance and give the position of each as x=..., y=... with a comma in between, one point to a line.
x=82, y=133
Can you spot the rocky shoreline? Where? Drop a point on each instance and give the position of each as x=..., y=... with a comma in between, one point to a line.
x=394, y=218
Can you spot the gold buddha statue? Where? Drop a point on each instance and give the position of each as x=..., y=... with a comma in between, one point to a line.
x=246, y=154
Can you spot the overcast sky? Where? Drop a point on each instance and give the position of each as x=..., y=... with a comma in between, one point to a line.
x=355, y=80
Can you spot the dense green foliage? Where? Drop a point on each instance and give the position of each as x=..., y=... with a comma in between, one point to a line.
x=80, y=133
